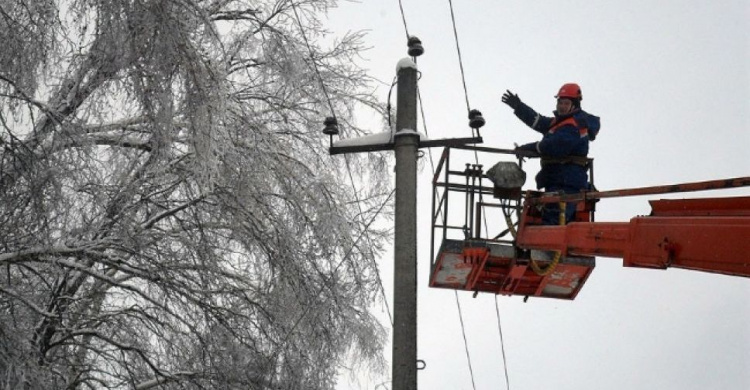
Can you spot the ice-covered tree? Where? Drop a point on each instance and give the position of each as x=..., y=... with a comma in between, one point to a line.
x=169, y=215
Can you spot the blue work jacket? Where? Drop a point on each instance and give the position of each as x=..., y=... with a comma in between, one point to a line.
x=563, y=136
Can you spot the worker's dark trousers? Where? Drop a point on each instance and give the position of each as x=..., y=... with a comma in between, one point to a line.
x=551, y=211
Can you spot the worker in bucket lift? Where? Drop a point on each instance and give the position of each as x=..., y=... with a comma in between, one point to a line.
x=563, y=148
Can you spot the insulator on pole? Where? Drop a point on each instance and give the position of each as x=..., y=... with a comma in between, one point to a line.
x=476, y=120
x=415, y=47
x=332, y=126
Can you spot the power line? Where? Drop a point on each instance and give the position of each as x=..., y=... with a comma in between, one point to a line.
x=403, y=18
x=476, y=157
x=502, y=345
x=466, y=92
x=312, y=58
x=460, y=60
x=424, y=126
x=359, y=203
x=466, y=344
x=419, y=95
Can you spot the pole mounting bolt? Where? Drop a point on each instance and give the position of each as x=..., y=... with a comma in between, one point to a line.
x=415, y=47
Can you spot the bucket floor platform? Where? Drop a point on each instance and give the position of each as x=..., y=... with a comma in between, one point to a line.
x=484, y=266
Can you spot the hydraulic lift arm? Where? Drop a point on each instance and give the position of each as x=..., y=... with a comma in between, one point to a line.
x=711, y=235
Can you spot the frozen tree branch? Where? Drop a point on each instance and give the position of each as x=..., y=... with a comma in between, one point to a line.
x=169, y=216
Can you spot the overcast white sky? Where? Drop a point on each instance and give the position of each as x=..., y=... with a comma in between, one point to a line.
x=671, y=82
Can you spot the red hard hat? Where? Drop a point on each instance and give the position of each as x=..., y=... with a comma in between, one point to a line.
x=571, y=91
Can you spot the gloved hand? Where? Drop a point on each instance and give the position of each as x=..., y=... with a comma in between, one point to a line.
x=526, y=150
x=530, y=147
x=511, y=99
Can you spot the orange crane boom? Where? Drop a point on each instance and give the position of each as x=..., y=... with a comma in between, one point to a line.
x=711, y=235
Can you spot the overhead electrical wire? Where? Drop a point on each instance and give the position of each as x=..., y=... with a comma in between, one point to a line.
x=466, y=344
x=460, y=60
x=466, y=91
x=424, y=126
x=403, y=18
x=312, y=58
x=476, y=157
x=358, y=201
x=502, y=344
x=419, y=95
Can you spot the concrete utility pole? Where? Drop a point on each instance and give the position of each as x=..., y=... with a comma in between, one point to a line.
x=406, y=140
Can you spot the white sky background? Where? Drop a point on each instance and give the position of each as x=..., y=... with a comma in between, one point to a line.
x=671, y=82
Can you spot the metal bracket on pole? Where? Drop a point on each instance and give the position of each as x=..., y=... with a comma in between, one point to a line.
x=428, y=143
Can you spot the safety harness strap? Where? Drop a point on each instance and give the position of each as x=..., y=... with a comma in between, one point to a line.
x=577, y=160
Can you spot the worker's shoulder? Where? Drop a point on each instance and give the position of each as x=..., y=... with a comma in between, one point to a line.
x=582, y=115
x=588, y=121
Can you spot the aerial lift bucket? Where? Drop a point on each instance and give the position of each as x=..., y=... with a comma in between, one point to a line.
x=484, y=262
